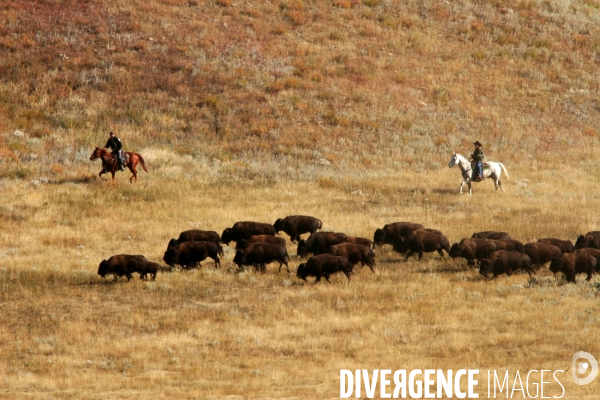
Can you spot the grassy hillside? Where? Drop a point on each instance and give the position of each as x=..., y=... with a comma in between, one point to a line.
x=370, y=83
x=347, y=110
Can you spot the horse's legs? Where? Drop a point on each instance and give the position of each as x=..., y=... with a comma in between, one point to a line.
x=461, y=186
x=470, y=189
x=113, y=174
x=501, y=187
x=131, y=167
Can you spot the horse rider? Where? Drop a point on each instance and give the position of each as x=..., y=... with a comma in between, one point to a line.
x=478, y=157
x=115, y=145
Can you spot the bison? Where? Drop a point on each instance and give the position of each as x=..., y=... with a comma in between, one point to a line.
x=421, y=241
x=590, y=239
x=196, y=235
x=319, y=243
x=245, y=229
x=324, y=265
x=491, y=235
x=121, y=265
x=505, y=262
x=355, y=253
x=259, y=254
x=148, y=267
x=191, y=254
x=572, y=264
x=508, y=244
x=541, y=253
x=592, y=252
x=296, y=225
x=473, y=249
x=242, y=244
x=565, y=246
x=392, y=233
x=360, y=240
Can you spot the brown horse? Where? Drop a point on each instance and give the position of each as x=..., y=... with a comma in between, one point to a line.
x=110, y=163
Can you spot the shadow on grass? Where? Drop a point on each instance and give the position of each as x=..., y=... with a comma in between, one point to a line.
x=82, y=179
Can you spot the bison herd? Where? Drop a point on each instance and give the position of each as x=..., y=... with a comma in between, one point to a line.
x=494, y=252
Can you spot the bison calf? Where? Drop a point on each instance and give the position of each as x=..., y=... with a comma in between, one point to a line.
x=259, y=254
x=324, y=265
x=572, y=264
x=191, y=254
x=505, y=262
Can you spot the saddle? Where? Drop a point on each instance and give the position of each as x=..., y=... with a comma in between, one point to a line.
x=125, y=158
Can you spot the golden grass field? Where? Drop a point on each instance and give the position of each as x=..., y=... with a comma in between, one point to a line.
x=347, y=110
x=206, y=333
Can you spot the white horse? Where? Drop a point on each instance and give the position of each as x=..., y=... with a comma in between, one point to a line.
x=494, y=171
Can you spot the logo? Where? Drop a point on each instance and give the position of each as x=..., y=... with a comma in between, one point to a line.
x=580, y=368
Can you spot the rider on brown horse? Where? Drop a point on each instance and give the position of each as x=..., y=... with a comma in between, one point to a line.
x=115, y=145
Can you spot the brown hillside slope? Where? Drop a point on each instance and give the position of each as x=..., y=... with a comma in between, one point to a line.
x=373, y=81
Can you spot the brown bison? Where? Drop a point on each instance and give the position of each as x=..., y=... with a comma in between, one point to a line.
x=420, y=242
x=572, y=264
x=491, y=235
x=324, y=265
x=355, y=253
x=148, y=267
x=541, y=253
x=505, y=262
x=565, y=246
x=296, y=225
x=360, y=240
x=245, y=229
x=590, y=239
x=473, y=249
x=319, y=243
x=196, y=235
x=391, y=233
x=191, y=254
x=508, y=245
x=592, y=252
x=121, y=265
x=242, y=244
x=260, y=254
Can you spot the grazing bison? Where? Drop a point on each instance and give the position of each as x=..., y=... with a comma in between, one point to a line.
x=245, y=229
x=541, y=253
x=491, y=235
x=473, y=249
x=196, y=235
x=355, y=253
x=296, y=225
x=260, y=254
x=509, y=245
x=420, y=242
x=359, y=240
x=324, y=265
x=592, y=252
x=319, y=243
x=505, y=262
x=590, y=239
x=242, y=244
x=391, y=233
x=572, y=264
x=121, y=265
x=191, y=254
x=565, y=246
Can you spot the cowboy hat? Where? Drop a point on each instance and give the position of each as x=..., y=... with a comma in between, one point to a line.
x=477, y=143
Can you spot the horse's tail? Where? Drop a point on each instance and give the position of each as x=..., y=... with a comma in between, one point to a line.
x=144, y=165
x=504, y=169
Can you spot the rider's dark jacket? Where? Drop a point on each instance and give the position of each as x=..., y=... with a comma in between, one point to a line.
x=478, y=155
x=114, y=144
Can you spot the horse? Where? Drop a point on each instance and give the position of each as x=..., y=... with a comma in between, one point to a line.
x=494, y=171
x=110, y=163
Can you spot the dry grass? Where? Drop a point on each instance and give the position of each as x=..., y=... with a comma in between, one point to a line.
x=346, y=110
x=67, y=333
